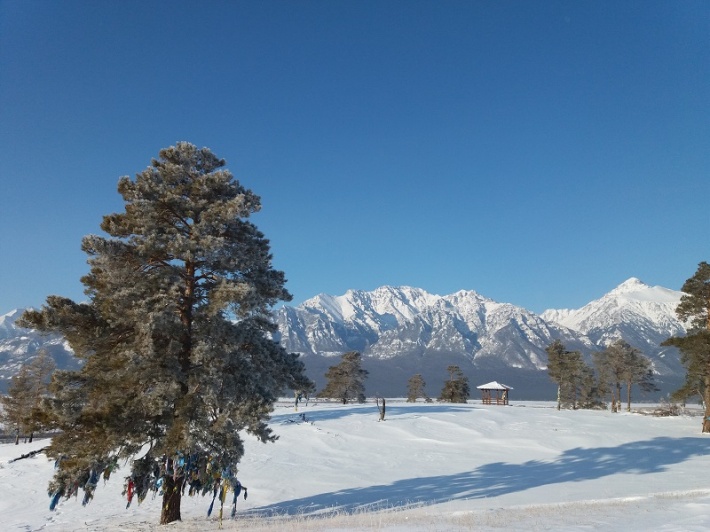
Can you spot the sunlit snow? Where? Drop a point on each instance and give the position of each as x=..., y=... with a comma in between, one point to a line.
x=426, y=467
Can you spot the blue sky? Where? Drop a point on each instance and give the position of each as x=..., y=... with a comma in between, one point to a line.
x=540, y=153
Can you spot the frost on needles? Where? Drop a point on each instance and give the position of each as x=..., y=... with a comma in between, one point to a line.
x=175, y=338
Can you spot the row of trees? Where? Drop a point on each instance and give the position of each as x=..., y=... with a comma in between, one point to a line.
x=580, y=385
x=25, y=394
x=346, y=382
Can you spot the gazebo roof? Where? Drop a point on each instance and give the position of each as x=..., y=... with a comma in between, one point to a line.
x=494, y=385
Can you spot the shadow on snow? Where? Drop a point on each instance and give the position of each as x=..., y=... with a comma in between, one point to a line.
x=499, y=478
x=370, y=409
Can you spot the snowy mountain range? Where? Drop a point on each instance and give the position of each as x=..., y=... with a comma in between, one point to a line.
x=408, y=330
x=403, y=330
x=17, y=346
x=642, y=315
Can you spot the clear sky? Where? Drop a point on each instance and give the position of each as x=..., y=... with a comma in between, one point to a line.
x=540, y=153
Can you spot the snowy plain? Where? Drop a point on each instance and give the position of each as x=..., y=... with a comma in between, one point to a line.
x=427, y=467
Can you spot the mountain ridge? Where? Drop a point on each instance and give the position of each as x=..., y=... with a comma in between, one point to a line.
x=402, y=329
x=410, y=326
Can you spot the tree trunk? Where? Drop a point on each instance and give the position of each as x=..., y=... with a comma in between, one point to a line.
x=628, y=396
x=706, y=400
x=559, y=396
x=574, y=403
x=171, y=500
x=381, y=408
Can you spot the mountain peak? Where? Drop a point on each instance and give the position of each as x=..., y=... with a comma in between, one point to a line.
x=632, y=284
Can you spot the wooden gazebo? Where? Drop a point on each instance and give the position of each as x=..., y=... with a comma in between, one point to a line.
x=494, y=393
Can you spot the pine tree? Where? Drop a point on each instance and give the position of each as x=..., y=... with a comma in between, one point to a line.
x=568, y=370
x=557, y=368
x=175, y=336
x=415, y=388
x=27, y=388
x=622, y=364
x=605, y=378
x=589, y=396
x=694, y=309
x=456, y=389
x=346, y=380
x=639, y=371
x=612, y=367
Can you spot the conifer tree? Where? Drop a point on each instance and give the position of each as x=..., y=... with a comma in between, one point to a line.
x=589, y=396
x=639, y=371
x=556, y=367
x=178, y=360
x=611, y=365
x=568, y=370
x=694, y=309
x=622, y=364
x=27, y=388
x=606, y=383
x=456, y=389
x=415, y=388
x=346, y=380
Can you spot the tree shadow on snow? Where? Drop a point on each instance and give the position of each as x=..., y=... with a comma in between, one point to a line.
x=370, y=409
x=499, y=478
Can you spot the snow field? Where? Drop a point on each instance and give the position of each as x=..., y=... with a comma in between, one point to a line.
x=427, y=467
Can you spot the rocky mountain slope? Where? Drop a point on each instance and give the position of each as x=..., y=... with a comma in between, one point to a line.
x=403, y=330
x=18, y=345
x=407, y=330
x=394, y=322
x=642, y=315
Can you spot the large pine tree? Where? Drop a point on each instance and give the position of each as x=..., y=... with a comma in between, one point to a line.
x=694, y=309
x=175, y=336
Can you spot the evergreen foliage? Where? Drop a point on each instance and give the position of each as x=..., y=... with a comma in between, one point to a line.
x=20, y=406
x=415, y=389
x=175, y=337
x=456, y=389
x=588, y=396
x=346, y=381
x=574, y=379
x=694, y=308
x=618, y=364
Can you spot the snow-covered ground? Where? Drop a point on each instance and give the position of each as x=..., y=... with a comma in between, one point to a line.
x=428, y=467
